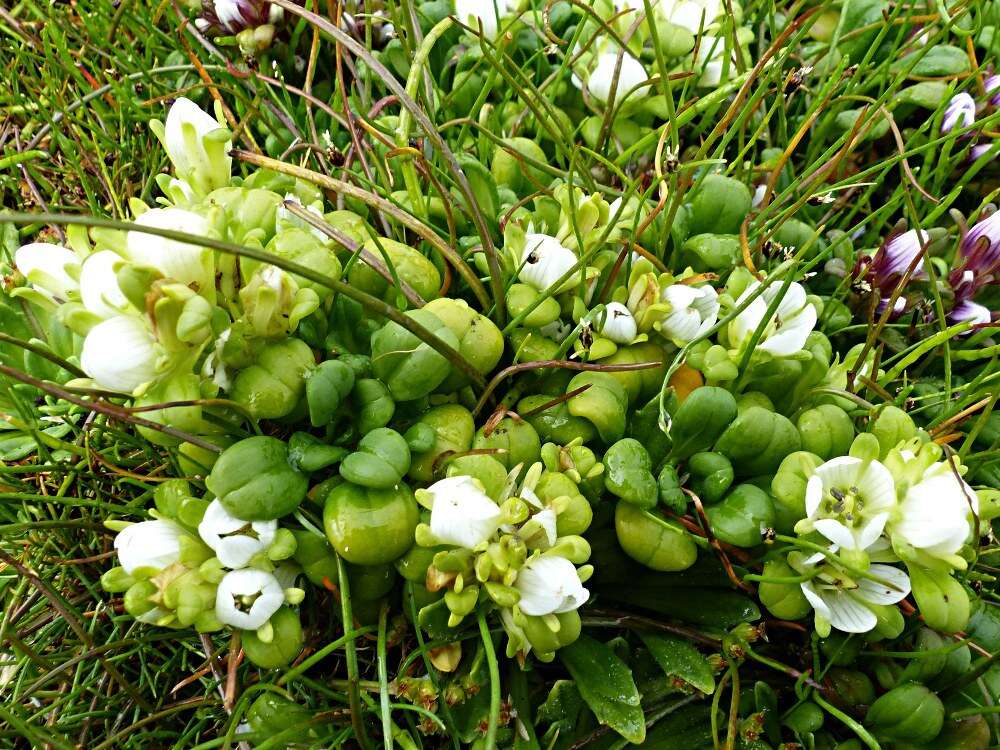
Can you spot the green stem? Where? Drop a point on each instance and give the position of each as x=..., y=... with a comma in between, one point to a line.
x=383, y=679
x=859, y=730
x=494, y=668
x=403, y=130
x=351, y=656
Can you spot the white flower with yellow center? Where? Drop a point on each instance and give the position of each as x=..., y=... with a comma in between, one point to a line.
x=247, y=598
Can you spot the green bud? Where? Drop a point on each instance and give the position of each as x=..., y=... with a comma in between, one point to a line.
x=603, y=404
x=826, y=431
x=380, y=462
x=757, y=441
x=784, y=600
x=373, y=403
x=654, y=541
x=516, y=442
x=369, y=526
x=316, y=557
x=705, y=415
x=739, y=518
x=719, y=204
x=326, y=388
x=272, y=386
x=255, y=481
x=908, y=713
x=453, y=428
x=891, y=427
x=284, y=645
x=805, y=718
x=711, y=475
x=788, y=488
x=943, y=601
x=629, y=473
x=283, y=545
x=138, y=598
x=410, y=367
x=116, y=580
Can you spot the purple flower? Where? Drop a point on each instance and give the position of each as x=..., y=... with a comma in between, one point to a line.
x=971, y=312
x=961, y=112
x=980, y=248
x=234, y=16
x=979, y=150
x=992, y=86
x=881, y=272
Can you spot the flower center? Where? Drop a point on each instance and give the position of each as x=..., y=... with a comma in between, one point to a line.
x=846, y=505
x=244, y=602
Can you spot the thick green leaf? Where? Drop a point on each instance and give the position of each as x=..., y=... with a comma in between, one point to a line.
x=679, y=658
x=716, y=608
x=606, y=684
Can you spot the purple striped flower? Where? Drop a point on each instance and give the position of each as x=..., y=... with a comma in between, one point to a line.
x=971, y=312
x=980, y=248
x=961, y=112
x=880, y=272
x=992, y=86
x=234, y=16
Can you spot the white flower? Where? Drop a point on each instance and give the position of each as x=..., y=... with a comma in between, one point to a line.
x=960, y=112
x=53, y=269
x=120, y=354
x=693, y=15
x=99, y=288
x=786, y=331
x=247, y=598
x=849, y=502
x=845, y=608
x=150, y=544
x=544, y=261
x=631, y=74
x=711, y=60
x=198, y=146
x=549, y=585
x=461, y=512
x=936, y=514
x=234, y=540
x=618, y=324
x=693, y=310
x=180, y=261
x=487, y=12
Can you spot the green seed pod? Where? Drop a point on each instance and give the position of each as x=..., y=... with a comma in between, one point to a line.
x=316, y=557
x=925, y=668
x=719, y=204
x=603, y=404
x=544, y=640
x=326, y=388
x=805, y=718
x=701, y=419
x=371, y=582
x=254, y=480
x=970, y=733
x=407, y=263
x=758, y=441
x=574, y=513
x=841, y=649
x=784, y=600
x=410, y=367
x=420, y=437
x=640, y=385
x=490, y=472
x=516, y=442
x=711, y=475
x=373, y=403
x=479, y=340
x=739, y=518
x=453, y=428
x=272, y=386
x=381, y=460
x=891, y=427
x=370, y=526
x=956, y=663
x=788, y=488
x=303, y=247
x=854, y=687
x=308, y=453
x=555, y=424
x=908, y=713
x=413, y=565
x=510, y=170
x=521, y=297
x=707, y=253
x=273, y=714
x=655, y=542
x=943, y=601
x=826, y=431
x=285, y=644
x=628, y=473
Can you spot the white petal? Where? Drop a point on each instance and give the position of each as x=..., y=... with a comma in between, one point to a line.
x=848, y=613
x=547, y=519
x=544, y=261
x=814, y=494
x=462, y=513
x=155, y=544
x=838, y=472
x=897, y=589
x=120, y=354
x=248, y=583
x=818, y=603
x=872, y=530
x=631, y=74
x=791, y=336
x=180, y=261
x=236, y=551
x=618, y=324
x=45, y=266
x=549, y=585
x=836, y=532
x=99, y=288
x=878, y=487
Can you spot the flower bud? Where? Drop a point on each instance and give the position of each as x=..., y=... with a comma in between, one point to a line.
x=53, y=269
x=197, y=145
